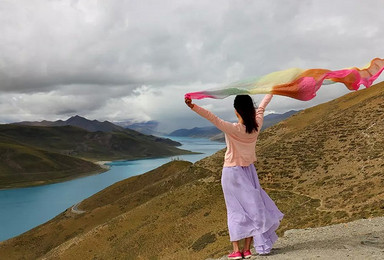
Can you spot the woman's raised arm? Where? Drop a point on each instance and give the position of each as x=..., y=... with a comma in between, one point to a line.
x=224, y=126
x=261, y=109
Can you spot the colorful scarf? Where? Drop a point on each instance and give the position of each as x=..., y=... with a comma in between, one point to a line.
x=298, y=83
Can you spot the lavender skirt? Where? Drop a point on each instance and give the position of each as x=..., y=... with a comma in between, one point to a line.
x=250, y=211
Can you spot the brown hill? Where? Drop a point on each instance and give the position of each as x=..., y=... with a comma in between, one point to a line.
x=31, y=155
x=74, y=141
x=321, y=166
x=22, y=165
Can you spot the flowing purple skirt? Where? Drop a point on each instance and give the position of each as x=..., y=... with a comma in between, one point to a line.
x=250, y=211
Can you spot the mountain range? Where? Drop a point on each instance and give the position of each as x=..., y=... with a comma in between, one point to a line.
x=321, y=166
x=274, y=118
x=78, y=121
x=43, y=152
x=216, y=135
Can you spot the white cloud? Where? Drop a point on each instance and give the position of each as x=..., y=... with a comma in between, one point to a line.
x=116, y=60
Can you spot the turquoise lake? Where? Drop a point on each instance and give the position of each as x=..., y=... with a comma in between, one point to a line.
x=25, y=208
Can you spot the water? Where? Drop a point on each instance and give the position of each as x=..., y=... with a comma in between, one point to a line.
x=24, y=208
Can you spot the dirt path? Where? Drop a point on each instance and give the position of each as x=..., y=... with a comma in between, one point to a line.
x=75, y=209
x=361, y=239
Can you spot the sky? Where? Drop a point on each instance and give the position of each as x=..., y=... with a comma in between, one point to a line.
x=134, y=60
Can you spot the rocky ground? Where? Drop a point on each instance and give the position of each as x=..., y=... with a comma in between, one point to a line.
x=361, y=239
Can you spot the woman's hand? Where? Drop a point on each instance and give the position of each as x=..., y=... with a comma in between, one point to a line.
x=189, y=103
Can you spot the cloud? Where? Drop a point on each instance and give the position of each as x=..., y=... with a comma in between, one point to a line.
x=134, y=60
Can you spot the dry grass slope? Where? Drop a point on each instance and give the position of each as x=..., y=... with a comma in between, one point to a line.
x=321, y=166
x=32, y=155
x=22, y=165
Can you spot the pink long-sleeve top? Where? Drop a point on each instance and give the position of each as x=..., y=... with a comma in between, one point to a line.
x=240, y=144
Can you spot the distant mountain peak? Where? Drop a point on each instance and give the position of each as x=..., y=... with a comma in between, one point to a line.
x=81, y=122
x=77, y=117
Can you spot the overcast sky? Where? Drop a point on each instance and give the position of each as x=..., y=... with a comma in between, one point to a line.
x=134, y=60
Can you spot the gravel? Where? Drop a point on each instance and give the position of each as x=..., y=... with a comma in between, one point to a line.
x=361, y=239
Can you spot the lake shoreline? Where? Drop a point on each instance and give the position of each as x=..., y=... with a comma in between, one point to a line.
x=47, y=182
x=103, y=164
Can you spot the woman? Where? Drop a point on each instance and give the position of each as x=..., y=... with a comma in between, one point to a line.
x=251, y=212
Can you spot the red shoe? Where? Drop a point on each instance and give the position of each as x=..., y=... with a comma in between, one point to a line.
x=235, y=255
x=247, y=254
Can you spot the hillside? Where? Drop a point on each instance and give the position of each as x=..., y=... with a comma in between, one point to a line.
x=22, y=165
x=273, y=119
x=321, y=166
x=126, y=144
x=32, y=155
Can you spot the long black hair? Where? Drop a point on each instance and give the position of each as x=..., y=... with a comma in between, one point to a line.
x=245, y=107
